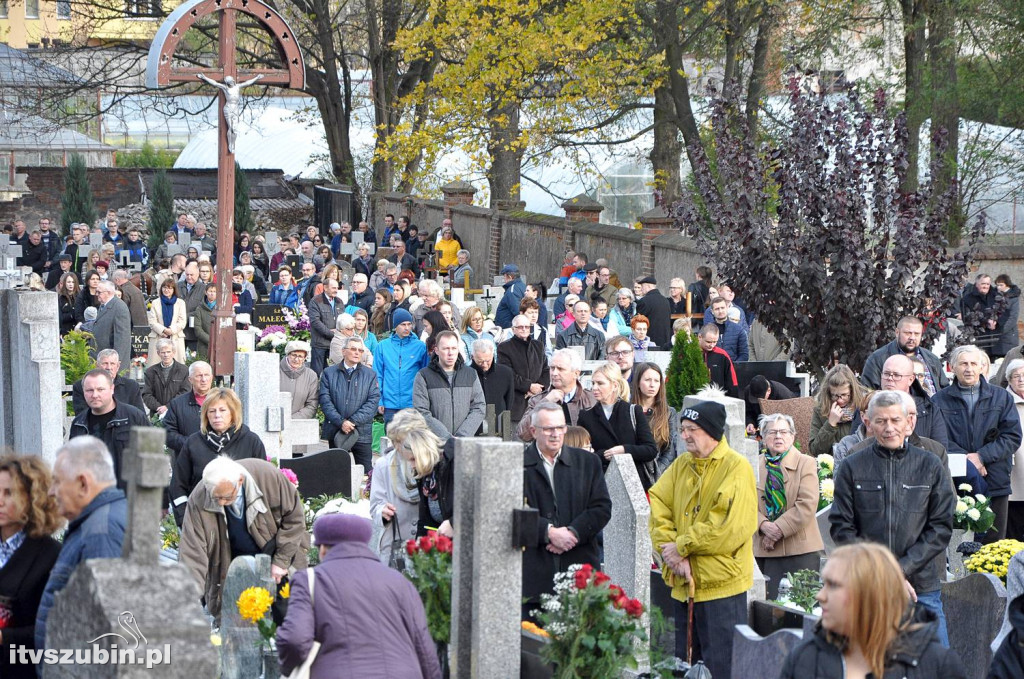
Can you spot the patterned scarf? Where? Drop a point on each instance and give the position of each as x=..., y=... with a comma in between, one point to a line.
x=218, y=441
x=774, y=486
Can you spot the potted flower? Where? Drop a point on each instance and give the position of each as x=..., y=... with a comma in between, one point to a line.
x=429, y=568
x=971, y=517
x=826, y=486
x=593, y=628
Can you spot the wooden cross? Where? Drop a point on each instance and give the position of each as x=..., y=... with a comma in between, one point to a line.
x=163, y=71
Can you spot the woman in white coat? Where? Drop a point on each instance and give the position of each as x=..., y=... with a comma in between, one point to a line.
x=1015, y=512
x=394, y=498
x=167, y=318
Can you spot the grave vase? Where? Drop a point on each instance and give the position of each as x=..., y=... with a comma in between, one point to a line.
x=956, y=560
x=271, y=664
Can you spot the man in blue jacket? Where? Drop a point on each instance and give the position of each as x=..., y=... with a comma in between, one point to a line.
x=515, y=289
x=86, y=494
x=731, y=336
x=981, y=422
x=397, y=360
x=349, y=395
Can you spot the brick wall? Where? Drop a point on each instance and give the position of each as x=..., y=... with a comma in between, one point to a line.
x=114, y=187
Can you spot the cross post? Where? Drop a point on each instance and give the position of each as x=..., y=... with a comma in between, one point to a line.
x=146, y=470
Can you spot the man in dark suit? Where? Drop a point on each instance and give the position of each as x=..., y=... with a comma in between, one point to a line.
x=658, y=310
x=126, y=390
x=567, y=487
x=113, y=326
x=193, y=291
x=164, y=380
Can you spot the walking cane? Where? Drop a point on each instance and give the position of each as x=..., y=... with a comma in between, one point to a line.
x=689, y=622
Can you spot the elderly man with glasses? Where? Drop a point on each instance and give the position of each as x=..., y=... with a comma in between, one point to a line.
x=349, y=395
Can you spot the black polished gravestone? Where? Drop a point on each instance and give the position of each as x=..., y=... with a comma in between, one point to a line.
x=140, y=341
x=754, y=655
x=267, y=314
x=328, y=472
x=772, y=370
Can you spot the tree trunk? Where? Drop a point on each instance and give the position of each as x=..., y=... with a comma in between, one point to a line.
x=916, y=104
x=667, y=150
x=765, y=24
x=942, y=52
x=504, y=174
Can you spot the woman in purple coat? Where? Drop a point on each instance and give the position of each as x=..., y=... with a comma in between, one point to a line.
x=368, y=618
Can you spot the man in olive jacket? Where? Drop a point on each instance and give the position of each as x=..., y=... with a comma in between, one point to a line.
x=243, y=507
x=703, y=518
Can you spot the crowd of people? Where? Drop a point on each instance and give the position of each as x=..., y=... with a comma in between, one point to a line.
x=391, y=346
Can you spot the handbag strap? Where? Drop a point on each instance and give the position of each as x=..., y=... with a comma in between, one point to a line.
x=396, y=533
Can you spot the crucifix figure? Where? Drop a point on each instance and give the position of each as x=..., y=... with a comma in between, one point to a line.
x=163, y=69
x=232, y=95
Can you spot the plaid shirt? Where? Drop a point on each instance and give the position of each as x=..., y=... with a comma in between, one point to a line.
x=9, y=546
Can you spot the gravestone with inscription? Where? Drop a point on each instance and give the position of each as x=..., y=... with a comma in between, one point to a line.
x=138, y=603
x=974, y=608
x=268, y=314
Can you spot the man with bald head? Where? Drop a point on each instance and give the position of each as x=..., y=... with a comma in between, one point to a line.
x=898, y=375
x=361, y=296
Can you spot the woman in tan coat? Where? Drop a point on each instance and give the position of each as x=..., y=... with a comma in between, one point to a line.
x=167, y=318
x=787, y=538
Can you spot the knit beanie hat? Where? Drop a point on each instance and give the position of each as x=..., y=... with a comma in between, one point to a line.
x=400, y=316
x=707, y=415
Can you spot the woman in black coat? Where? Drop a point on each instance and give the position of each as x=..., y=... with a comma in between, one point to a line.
x=87, y=295
x=869, y=626
x=67, y=297
x=617, y=427
x=221, y=432
x=28, y=515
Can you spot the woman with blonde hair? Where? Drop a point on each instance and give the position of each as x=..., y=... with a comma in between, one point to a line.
x=362, y=328
x=434, y=465
x=838, y=399
x=28, y=517
x=616, y=426
x=221, y=434
x=394, y=491
x=472, y=330
x=868, y=627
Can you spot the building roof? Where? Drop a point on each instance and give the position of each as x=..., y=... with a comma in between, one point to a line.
x=23, y=132
x=19, y=69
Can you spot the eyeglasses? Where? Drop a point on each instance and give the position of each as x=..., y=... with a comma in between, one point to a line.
x=688, y=430
x=888, y=374
x=227, y=498
x=616, y=354
x=777, y=432
x=551, y=431
x=1019, y=377
x=919, y=376
x=520, y=327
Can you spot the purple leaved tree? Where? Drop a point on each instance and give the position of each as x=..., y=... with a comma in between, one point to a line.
x=812, y=229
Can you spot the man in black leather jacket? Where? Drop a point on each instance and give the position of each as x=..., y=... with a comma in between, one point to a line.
x=899, y=495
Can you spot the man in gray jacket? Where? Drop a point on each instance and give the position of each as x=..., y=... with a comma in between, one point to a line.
x=193, y=291
x=324, y=310
x=582, y=334
x=113, y=325
x=448, y=393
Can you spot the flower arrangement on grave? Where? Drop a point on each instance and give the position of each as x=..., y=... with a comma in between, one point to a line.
x=273, y=338
x=169, y=535
x=592, y=624
x=298, y=322
x=254, y=606
x=994, y=558
x=973, y=512
x=430, y=571
x=798, y=590
x=140, y=361
x=75, y=360
x=826, y=485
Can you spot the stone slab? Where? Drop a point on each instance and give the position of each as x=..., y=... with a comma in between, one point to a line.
x=756, y=656
x=974, y=607
x=486, y=596
x=240, y=650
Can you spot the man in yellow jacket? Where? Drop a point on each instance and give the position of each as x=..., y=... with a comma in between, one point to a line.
x=703, y=518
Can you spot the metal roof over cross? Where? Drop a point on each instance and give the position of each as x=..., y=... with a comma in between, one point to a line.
x=163, y=71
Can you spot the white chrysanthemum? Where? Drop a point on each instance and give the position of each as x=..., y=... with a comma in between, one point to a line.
x=966, y=487
x=961, y=506
x=826, y=461
x=973, y=514
x=969, y=501
x=980, y=498
x=828, y=489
